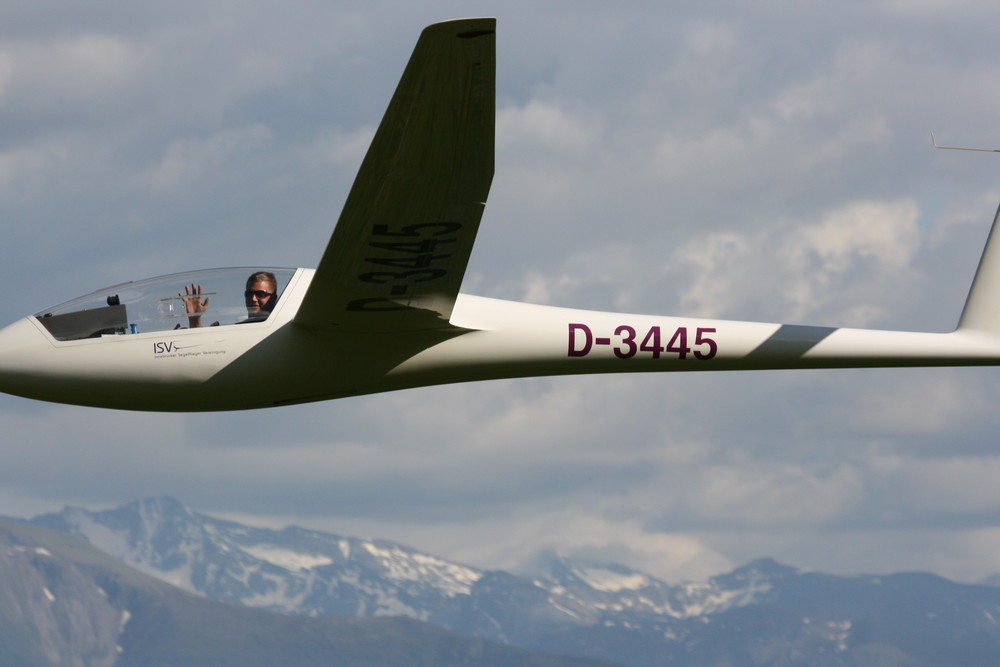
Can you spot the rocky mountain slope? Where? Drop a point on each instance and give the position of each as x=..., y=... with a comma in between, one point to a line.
x=763, y=613
x=63, y=602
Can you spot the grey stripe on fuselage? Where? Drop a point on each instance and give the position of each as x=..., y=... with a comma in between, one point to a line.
x=791, y=340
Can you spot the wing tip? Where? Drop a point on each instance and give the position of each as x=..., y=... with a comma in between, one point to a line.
x=468, y=28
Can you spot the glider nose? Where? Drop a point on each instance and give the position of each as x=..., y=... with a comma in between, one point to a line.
x=22, y=349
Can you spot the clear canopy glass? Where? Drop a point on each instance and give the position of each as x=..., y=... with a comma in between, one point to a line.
x=158, y=304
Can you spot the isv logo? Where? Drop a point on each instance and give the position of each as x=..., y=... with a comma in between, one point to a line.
x=165, y=347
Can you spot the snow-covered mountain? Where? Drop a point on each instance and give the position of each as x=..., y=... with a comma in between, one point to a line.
x=763, y=613
x=294, y=570
x=306, y=572
x=63, y=602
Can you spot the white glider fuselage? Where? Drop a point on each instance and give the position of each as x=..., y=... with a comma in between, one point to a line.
x=277, y=362
x=382, y=311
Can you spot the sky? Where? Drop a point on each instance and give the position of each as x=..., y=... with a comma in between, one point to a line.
x=764, y=161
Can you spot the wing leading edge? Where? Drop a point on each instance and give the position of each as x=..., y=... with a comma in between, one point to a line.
x=399, y=251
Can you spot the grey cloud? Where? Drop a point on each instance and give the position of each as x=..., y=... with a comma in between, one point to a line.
x=651, y=159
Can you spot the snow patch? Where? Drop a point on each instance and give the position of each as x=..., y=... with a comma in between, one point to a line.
x=609, y=581
x=180, y=577
x=704, y=599
x=401, y=565
x=286, y=558
x=278, y=596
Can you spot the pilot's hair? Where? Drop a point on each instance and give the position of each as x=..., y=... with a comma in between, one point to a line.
x=261, y=277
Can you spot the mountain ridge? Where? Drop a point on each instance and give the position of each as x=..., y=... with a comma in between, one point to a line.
x=762, y=611
x=63, y=602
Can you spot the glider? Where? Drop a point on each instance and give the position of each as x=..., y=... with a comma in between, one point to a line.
x=383, y=311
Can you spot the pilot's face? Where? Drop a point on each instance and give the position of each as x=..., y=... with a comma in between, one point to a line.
x=256, y=304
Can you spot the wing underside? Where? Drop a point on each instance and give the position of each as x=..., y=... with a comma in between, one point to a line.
x=400, y=248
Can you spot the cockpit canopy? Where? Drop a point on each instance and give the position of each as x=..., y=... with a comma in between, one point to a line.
x=157, y=304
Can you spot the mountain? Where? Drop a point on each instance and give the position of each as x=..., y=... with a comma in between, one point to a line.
x=763, y=613
x=63, y=602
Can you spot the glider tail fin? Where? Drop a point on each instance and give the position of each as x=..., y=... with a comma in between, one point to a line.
x=982, y=307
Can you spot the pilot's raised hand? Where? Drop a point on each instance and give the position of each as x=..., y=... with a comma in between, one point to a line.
x=194, y=304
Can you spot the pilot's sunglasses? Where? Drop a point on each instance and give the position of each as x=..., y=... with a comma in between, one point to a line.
x=259, y=293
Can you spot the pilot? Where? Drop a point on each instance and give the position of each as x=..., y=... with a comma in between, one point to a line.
x=260, y=297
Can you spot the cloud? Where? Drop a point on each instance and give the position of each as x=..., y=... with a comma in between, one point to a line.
x=546, y=126
x=773, y=495
x=955, y=487
x=83, y=72
x=514, y=540
x=762, y=162
x=934, y=404
x=190, y=162
x=842, y=265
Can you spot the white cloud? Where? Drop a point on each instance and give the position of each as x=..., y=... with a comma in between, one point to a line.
x=846, y=261
x=513, y=541
x=547, y=125
x=883, y=232
x=770, y=163
x=772, y=495
x=82, y=72
x=335, y=146
x=24, y=171
x=188, y=162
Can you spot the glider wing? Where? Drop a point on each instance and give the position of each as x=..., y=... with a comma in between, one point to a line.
x=400, y=248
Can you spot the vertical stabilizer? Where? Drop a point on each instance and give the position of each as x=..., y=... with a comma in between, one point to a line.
x=982, y=307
